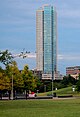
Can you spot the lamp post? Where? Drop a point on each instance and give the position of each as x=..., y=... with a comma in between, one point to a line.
x=52, y=81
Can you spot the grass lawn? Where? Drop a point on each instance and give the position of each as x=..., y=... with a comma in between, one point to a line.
x=63, y=91
x=40, y=108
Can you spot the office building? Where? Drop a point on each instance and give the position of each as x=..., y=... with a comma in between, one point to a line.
x=73, y=71
x=46, y=41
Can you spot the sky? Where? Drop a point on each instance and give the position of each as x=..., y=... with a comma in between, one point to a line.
x=18, y=30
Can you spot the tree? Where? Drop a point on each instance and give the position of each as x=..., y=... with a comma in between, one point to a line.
x=6, y=76
x=29, y=79
x=78, y=85
x=6, y=57
x=13, y=71
x=4, y=82
x=68, y=81
x=71, y=80
x=39, y=84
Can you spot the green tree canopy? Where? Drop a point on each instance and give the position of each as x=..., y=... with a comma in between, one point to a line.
x=78, y=85
x=29, y=79
x=5, y=57
x=4, y=81
x=13, y=72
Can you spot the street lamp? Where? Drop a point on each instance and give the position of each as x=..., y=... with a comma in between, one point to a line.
x=52, y=81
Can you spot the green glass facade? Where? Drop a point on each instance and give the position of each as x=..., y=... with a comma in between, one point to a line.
x=49, y=45
x=47, y=30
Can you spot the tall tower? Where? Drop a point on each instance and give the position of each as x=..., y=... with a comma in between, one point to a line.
x=46, y=40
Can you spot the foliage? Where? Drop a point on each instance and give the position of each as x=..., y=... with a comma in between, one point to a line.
x=25, y=79
x=13, y=72
x=68, y=81
x=40, y=85
x=29, y=79
x=78, y=85
x=5, y=57
x=4, y=81
x=6, y=76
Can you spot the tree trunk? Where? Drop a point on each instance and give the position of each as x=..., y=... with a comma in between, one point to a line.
x=26, y=94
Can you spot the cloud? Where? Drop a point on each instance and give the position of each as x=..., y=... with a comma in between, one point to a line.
x=69, y=57
x=16, y=12
x=25, y=55
x=70, y=14
x=21, y=12
x=60, y=57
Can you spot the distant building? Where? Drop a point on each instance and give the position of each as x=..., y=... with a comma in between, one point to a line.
x=40, y=75
x=37, y=73
x=46, y=41
x=57, y=76
x=73, y=71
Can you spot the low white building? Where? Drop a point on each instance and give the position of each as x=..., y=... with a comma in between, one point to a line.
x=56, y=76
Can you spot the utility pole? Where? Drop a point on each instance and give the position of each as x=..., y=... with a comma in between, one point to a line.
x=52, y=81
